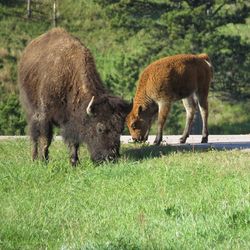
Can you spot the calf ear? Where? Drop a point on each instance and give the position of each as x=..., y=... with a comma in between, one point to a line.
x=139, y=110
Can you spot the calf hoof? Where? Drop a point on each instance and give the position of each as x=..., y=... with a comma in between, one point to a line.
x=204, y=140
x=183, y=140
x=157, y=141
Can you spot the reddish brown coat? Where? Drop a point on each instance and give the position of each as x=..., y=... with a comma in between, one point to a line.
x=164, y=81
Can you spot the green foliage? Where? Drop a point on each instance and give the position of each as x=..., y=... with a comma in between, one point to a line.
x=126, y=35
x=12, y=121
x=228, y=116
x=163, y=200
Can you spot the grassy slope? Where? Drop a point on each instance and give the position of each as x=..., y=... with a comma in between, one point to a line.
x=88, y=23
x=192, y=200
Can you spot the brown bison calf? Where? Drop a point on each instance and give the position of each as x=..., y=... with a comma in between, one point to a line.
x=169, y=79
x=59, y=85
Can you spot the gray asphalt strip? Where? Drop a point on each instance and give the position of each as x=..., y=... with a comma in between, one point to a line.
x=215, y=141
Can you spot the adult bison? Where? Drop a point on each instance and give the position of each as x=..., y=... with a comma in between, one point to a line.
x=59, y=85
x=164, y=81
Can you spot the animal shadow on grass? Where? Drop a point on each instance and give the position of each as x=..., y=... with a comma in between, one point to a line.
x=147, y=151
x=151, y=151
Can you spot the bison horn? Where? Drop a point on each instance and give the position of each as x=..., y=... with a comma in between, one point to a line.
x=88, y=109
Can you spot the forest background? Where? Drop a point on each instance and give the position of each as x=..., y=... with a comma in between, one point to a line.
x=125, y=36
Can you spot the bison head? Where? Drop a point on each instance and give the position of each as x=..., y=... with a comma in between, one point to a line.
x=105, y=117
x=139, y=122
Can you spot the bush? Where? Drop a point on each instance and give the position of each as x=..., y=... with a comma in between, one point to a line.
x=12, y=120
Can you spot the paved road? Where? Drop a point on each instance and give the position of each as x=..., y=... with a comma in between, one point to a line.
x=215, y=141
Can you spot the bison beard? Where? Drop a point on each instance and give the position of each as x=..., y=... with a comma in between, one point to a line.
x=59, y=85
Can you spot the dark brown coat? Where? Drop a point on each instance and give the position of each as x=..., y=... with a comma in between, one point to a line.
x=169, y=79
x=58, y=79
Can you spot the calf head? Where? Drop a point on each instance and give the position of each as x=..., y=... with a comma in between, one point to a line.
x=139, y=122
x=106, y=116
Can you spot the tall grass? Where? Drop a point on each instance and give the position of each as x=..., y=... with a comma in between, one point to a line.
x=147, y=200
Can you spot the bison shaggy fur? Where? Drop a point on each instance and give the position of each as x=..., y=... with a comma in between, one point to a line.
x=60, y=86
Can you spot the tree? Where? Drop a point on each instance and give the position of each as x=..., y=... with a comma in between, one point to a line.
x=54, y=14
x=178, y=26
x=29, y=8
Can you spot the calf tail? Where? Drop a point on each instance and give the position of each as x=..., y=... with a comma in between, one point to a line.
x=209, y=63
x=205, y=57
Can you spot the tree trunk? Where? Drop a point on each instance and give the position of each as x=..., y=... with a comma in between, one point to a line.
x=54, y=14
x=29, y=8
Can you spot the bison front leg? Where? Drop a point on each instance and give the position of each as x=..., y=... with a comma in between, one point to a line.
x=164, y=108
x=190, y=106
x=74, y=153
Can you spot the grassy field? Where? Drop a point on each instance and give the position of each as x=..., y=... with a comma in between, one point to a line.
x=153, y=198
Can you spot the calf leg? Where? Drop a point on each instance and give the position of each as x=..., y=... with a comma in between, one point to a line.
x=164, y=108
x=190, y=106
x=203, y=106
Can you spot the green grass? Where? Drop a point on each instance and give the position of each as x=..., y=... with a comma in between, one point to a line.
x=151, y=199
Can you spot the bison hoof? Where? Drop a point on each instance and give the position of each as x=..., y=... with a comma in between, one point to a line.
x=73, y=162
x=204, y=140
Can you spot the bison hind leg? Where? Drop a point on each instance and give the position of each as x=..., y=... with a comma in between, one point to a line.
x=41, y=133
x=45, y=139
x=34, y=129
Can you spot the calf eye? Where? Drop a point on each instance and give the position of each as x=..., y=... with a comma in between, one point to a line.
x=100, y=128
x=133, y=126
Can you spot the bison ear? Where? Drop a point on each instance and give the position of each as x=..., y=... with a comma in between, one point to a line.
x=120, y=106
x=124, y=108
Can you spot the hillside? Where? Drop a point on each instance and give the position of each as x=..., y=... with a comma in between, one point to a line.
x=125, y=36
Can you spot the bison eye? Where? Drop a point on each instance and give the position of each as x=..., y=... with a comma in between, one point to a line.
x=100, y=128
